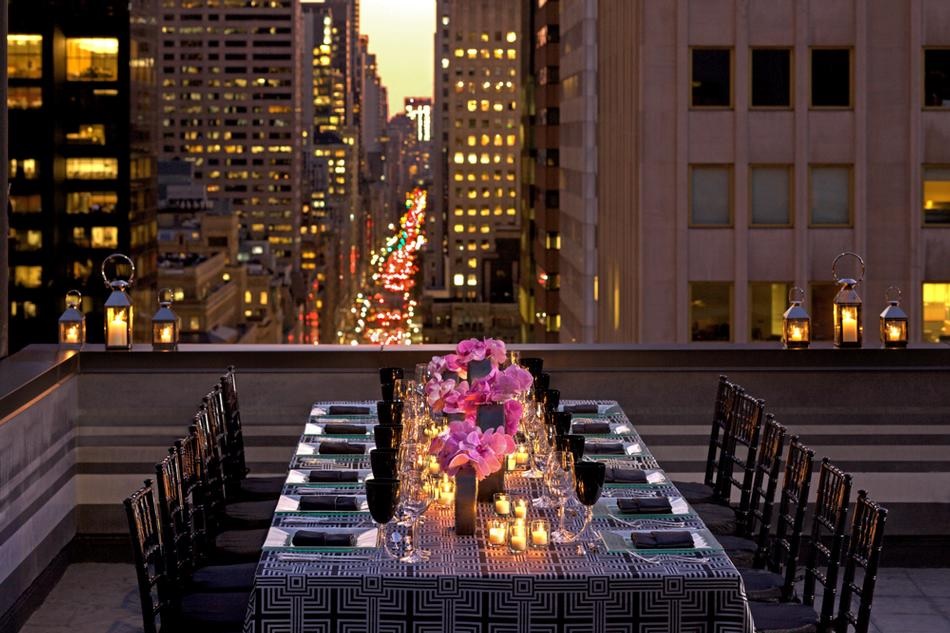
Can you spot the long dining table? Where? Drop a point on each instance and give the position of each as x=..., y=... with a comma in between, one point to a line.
x=468, y=586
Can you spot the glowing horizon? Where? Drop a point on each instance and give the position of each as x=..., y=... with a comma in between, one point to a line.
x=401, y=36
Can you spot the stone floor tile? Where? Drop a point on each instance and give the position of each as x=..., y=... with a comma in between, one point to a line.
x=932, y=582
x=911, y=623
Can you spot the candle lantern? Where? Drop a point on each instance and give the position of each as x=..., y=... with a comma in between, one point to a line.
x=72, y=323
x=165, y=323
x=847, y=307
x=893, y=321
x=118, y=325
x=796, y=324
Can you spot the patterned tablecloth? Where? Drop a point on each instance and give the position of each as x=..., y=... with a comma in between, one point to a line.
x=466, y=586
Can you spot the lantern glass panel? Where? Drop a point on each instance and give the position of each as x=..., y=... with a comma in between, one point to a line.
x=894, y=331
x=797, y=332
x=118, y=326
x=848, y=324
x=71, y=333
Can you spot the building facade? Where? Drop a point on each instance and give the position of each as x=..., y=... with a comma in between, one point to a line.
x=82, y=98
x=740, y=147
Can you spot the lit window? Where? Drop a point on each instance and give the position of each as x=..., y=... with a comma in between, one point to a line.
x=710, y=311
x=770, y=193
x=25, y=56
x=458, y=279
x=771, y=78
x=458, y=228
x=91, y=202
x=711, y=78
x=472, y=280
x=936, y=193
x=27, y=240
x=936, y=325
x=92, y=58
x=831, y=78
x=26, y=204
x=936, y=78
x=21, y=98
x=767, y=304
x=511, y=37
x=472, y=262
x=263, y=298
x=710, y=195
x=105, y=237
x=87, y=135
x=830, y=194
x=28, y=276
x=92, y=168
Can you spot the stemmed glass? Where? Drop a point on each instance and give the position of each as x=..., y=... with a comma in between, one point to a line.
x=589, y=485
x=381, y=497
x=536, y=435
x=413, y=502
x=559, y=477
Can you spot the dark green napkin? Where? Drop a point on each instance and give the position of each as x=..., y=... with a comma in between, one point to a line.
x=625, y=476
x=650, y=505
x=581, y=408
x=328, y=503
x=347, y=409
x=663, y=539
x=314, y=538
x=592, y=427
x=603, y=448
x=341, y=448
x=317, y=476
x=344, y=429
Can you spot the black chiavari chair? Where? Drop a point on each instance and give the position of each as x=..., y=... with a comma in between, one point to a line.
x=864, y=553
x=751, y=549
x=705, y=492
x=740, y=447
x=191, y=477
x=828, y=535
x=777, y=581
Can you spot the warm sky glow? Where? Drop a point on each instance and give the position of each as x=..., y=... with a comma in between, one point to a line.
x=400, y=34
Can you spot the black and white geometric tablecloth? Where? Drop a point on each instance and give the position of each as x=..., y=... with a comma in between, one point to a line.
x=468, y=587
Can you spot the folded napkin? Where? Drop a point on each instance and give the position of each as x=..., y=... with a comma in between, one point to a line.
x=625, y=476
x=649, y=505
x=663, y=539
x=317, y=476
x=313, y=538
x=341, y=448
x=581, y=408
x=344, y=429
x=347, y=409
x=592, y=427
x=603, y=448
x=328, y=503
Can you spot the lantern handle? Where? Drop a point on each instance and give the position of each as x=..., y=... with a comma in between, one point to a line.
x=794, y=292
x=115, y=257
x=73, y=299
x=834, y=266
x=890, y=297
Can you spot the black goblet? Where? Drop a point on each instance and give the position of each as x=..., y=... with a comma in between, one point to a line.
x=533, y=365
x=542, y=383
x=572, y=443
x=551, y=400
x=381, y=497
x=390, y=374
x=388, y=391
x=389, y=412
x=588, y=484
x=562, y=422
x=387, y=436
x=383, y=462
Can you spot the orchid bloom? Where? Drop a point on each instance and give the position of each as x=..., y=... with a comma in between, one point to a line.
x=465, y=444
x=513, y=413
x=437, y=392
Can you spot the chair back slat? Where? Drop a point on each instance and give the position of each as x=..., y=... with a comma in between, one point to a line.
x=235, y=464
x=768, y=466
x=864, y=552
x=193, y=495
x=173, y=515
x=726, y=394
x=783, y=558
x=739, y=454
x=148, y=555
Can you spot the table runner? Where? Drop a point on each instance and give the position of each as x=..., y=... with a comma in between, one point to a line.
x=467, y=586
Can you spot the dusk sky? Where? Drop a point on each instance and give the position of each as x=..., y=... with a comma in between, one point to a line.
x=400, y=34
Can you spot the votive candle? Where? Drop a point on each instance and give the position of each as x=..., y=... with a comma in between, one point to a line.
x=521, y=508
x=540, y=532
x=517, y=536
x=502, y=504
x=497, y=532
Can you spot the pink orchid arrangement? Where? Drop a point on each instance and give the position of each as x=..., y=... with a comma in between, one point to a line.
x=451, y=390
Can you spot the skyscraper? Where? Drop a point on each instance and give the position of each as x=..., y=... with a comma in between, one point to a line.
x=481, y=90
x=231, y=104
x=82, y=144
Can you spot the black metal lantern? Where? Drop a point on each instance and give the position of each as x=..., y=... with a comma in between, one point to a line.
x=119, y=312
x=796, y=324
x=893, y=321
x=847, y=308
x=165, y=323
x=72, y=323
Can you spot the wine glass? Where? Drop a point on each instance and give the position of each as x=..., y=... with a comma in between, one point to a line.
x=589, y=477
x=562, y=422
x=551, y=399
x=383, y=462
x=559, y=477
x=389, y=412
x=535, y=433
x=381, y=497
x=414, y=500
x=387, y=436
x=572, y=443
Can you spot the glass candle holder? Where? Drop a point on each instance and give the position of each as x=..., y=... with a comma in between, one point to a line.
x=521, y=455
x=502, y=504
x=510, y=464
x=540, y=533
x=519, y=508
x=447, y=492
x=517, y=536
x=497, y=532
x=434, y=468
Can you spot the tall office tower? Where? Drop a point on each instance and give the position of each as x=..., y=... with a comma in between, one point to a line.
x=578, y=295
x=483, y=149
x=541, y=238
x=742, y=146
x=82, y=144
x=231, y=104
x=434, y=281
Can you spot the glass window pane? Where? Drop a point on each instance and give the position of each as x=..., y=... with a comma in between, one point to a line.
x=28, y=276
x=92, y=168
x=771, y=77
x=711, y=81
x=770, y=194
x=26, y=204
x=20, y=98
x=831, y=78
x=92, y=59
x=710, y=311
x=936, y=323
x=937, y=195
x=822, y=310
x=767, y=304
x=937, y=78
x=25, y=56
x=710, y=199
x=831, y=195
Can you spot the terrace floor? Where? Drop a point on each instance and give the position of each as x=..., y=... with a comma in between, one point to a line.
x=102, y=598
